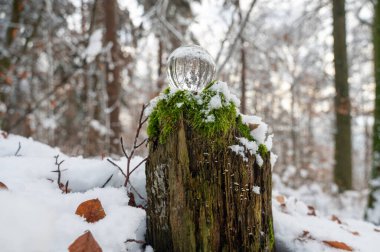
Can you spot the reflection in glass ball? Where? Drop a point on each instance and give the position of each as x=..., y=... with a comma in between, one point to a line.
x=191, y=68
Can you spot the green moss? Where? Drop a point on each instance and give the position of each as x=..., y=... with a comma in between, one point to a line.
x=243, y=129
x=194, y=109
x=166, y=114
x=271, y=235
x=263, y=151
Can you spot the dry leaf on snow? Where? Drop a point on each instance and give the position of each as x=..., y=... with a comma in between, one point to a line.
x=338, y=245
x=311, y=211
x=336, y=219
x=85, y=243
x=280, y=199
x=92, y=210
x=3, y=186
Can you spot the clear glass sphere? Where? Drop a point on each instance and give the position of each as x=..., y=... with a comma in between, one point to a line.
x=190, y=67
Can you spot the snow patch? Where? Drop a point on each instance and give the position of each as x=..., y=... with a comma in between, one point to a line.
x=256, y=189
x=94, y=47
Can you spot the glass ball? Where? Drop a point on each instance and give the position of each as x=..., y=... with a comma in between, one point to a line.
x=190, y=68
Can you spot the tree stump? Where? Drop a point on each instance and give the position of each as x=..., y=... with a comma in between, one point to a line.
x=202, y=196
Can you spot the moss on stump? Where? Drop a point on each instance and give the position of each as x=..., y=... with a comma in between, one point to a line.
x=201, y=193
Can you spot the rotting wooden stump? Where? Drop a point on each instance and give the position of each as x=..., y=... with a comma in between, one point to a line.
x=201, y=197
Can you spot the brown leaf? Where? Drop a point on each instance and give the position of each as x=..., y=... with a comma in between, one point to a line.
x=338, y=245
x=85, y=243
x=311, y=211
x=3, y=186
x=92, y=210
x=280, y=199
x=336, y=219
x=355, y=233
x=305, y=236
x=376, y=230
x=253, y=126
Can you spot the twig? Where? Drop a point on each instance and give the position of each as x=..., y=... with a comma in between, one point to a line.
x=125, y=176
x=67, y=190
x=108, y=180
x=232, y=48
x=122, y=147
x=224, y=40
x=129, y=155
x=134, y=189
x=18, y=150
x=61, y=186
x=135, y=146
x=114, y=164
x=137, y=166
x=136, y=241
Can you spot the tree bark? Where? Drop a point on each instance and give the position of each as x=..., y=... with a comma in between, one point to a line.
x=201, y=198
x=343, y=159
x=372, y=202
x=113, y=73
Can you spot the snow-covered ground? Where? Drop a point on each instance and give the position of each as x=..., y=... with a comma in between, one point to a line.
x=36, y=216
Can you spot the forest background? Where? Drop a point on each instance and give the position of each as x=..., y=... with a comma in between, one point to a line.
x=75, y=74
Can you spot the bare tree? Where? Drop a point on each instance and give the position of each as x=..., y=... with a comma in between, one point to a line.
x=112, y=72
x=343, y=145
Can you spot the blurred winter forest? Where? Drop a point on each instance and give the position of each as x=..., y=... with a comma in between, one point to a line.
x=75, y=73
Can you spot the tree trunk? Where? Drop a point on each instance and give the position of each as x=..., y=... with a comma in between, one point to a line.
x=243, y=86
x=373, y=204
x=343, y=159
x=112, y=73
x=201, y=197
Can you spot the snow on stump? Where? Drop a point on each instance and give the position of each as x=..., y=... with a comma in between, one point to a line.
x=208, y=174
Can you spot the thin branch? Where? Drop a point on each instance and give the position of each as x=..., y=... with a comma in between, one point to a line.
x=122, y=147
x=67, y=190
x=18, y=150
x=134, y=189
x=137, y=166
x=225, y=40
x=232, y=48
x=135, y=146
x=114, y=164
x=136, y=241
x=144, y=141
x=108, y=180
x=64, y=188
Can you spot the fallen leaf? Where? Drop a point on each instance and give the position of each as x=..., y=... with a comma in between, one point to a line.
x=92, y=210
x=280, y=199
x=338, y=245
x=85, y=243
x=3, y=186
x=355, y=233
x=305, y=236
x=253, y=126
x=336, y=219
x=376, y=230
x=311, y=211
